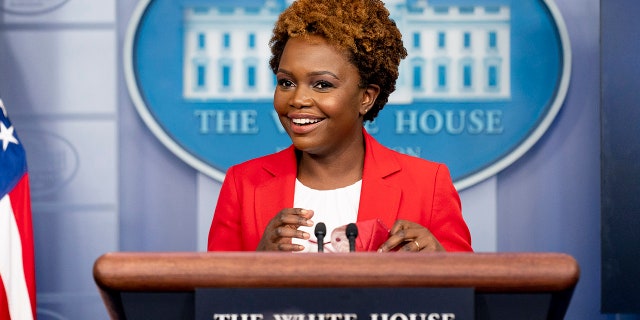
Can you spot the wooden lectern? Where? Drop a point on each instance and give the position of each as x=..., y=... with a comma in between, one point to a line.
x=507, y=285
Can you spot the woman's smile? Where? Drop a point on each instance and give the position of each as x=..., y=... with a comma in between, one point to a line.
x=303, y=124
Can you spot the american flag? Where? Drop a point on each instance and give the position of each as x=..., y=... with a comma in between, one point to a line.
x=17, y=267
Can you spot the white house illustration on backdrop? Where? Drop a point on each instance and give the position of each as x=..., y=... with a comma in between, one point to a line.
x=456, y=53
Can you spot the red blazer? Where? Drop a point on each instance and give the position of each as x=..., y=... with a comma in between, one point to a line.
x=394, y=186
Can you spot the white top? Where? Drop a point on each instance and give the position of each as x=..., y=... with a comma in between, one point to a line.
x=335, y=208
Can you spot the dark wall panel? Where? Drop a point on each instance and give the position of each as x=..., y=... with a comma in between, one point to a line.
x=620, y=145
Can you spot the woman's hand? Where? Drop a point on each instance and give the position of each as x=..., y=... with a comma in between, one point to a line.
x=283, y=228
x=410, y=236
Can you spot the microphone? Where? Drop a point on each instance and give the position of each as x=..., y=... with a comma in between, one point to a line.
x=320, y=232
x=352, y=233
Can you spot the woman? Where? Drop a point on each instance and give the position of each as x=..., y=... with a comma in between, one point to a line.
x=336, y=63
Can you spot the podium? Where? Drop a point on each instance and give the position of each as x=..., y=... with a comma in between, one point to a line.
x=505, y=285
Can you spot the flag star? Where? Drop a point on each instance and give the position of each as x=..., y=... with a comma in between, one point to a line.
x=6, y=135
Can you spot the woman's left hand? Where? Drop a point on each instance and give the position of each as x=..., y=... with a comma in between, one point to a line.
x=410, y=236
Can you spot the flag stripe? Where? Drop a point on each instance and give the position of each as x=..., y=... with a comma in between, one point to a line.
x=12, y=271
x=21, y=203
x=4, y=306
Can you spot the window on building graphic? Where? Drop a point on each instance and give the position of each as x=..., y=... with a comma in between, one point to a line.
x=226, y=10
x=441, y=10
x=251, y=76
x=492, y=74
x=225, y=75
x=492, y=77
x=442, y=76
x=466, y=40
x=442, y=40
x=467, y=10
x=250, y=66
x=252, y=41
x=201, y=10
x=492, y=9
x=201, y=76
x=417, y=77
x=467, y=76
x=226, y=40
x=418, y=71
x=493, y=40
x=416, y=40
x=252, y=10
x=202, y=41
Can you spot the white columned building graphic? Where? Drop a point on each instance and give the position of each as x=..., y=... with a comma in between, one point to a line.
x=456, y=53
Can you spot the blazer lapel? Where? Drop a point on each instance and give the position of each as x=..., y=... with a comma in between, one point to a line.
x=277, y=191
x=379, y=199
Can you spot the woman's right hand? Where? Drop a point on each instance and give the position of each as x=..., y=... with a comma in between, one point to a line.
x=283, y=228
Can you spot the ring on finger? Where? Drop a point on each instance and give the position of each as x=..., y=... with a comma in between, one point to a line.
x=417, y=244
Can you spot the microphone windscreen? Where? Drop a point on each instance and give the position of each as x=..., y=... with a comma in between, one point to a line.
x=352, y=230
x=321, y=229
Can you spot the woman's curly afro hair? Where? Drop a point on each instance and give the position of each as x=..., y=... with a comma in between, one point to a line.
x=361, y=27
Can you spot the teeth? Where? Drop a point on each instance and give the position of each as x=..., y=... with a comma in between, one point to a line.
x=305, y=121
